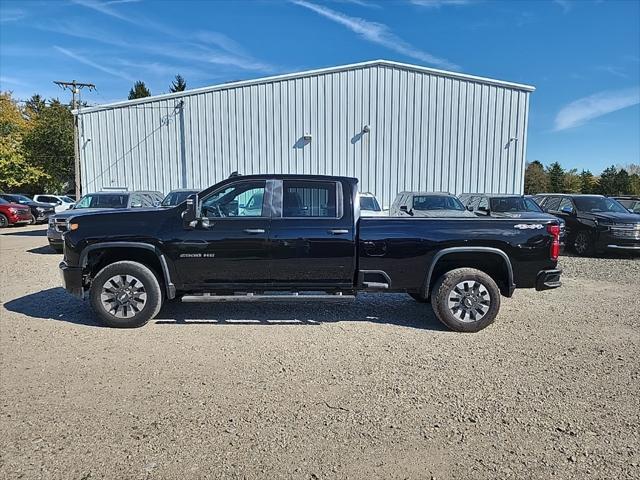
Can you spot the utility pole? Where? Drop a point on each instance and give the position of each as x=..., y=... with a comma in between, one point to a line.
x=75, y=88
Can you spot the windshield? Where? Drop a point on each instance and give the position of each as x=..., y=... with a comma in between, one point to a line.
x=633, y=205
x=103, y=200
x=66, y=199
x=18, y=199
x=3, y=201
x=514, y=204
x=175, y=198
x=436, y=202
x=598, y=205
x=370, y=204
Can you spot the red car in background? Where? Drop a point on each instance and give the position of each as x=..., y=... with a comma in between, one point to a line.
x=13, y=213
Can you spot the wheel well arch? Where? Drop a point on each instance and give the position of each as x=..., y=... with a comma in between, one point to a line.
x=492, y=261
x=95, y=257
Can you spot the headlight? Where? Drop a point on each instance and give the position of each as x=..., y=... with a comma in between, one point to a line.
x=52, y=221
x=72, y=226
x=40, y=209
x=13, y=210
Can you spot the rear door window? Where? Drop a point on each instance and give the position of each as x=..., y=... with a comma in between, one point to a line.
x=552, y=204
x=310, y=199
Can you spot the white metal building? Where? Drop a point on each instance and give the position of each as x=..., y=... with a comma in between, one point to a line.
x=394, y=126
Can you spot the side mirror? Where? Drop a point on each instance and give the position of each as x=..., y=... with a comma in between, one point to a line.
x=484, y=210
x=470, y=208
x=567, y=210
x=405, y=209
x=190, y=215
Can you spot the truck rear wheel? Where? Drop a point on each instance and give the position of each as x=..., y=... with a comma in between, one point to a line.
x=125, y=294
x=466, y=299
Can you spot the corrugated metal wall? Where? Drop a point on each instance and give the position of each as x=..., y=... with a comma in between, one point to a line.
x=428, y=131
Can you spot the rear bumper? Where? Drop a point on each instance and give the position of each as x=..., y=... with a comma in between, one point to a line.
x=72, y=279
x=548, y=279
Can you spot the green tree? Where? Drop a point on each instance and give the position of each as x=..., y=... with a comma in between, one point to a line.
x=588, y=183
x=16, y=173
x=34, y=107
x=623, y=182
x=555, y=173
x=48, y=145
x=607, y=185
x=178, y=85
x=634, y=184
x=571, y=183
x=139, y=90
x=535, y=178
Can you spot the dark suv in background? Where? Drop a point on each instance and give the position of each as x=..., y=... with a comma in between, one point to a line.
x=631, y=203
x=94, y=202
x=594, y=223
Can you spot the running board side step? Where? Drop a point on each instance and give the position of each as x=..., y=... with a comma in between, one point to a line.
x=250, y=297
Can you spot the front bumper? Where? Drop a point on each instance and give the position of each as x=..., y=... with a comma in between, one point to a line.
x=72, y=279
x=619, y=238
x=548, y=279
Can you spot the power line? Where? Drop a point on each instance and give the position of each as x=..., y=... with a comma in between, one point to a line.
x=75, y=88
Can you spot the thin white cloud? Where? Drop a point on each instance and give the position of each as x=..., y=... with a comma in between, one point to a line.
x=91, y=63
x=440, y=3
x=584, y=109
x=377, y=33
x=360, y=3
x=564, y=4
x=11, y=14
x=102, y=7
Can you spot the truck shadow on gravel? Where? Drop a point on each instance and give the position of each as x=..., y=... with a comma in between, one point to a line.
x=46, y=250
x=57, y=304
x=26, y=233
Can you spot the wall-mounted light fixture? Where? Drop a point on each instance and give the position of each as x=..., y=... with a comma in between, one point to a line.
x=306, y=137
x=366, y=129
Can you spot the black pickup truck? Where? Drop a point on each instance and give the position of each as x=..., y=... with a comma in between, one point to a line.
x=300, y=237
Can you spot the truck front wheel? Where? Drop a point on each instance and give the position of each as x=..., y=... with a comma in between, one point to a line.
x=465, y=299
x=125, y=294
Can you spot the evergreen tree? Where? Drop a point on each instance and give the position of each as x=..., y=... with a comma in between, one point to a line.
x=608, y=181
x=623, y=182
x=634, y=184
x=555, y=173
x=588, y=183
x=571, y=182
x=139, y=90
x=178, y=85
x=535, y=178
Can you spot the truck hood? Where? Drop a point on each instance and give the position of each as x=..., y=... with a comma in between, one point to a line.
x=89, y=211
x=615, y=217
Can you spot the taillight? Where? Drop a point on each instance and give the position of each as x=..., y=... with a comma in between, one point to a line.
x=555, y=243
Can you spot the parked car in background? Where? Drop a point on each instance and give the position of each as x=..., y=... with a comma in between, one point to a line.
x=631, y=203
x=13, y=213
x=96, y=202
x=369, y=206
x=40, y=212
x=428, y=204
x=594, y=223
x=59, y=202
x=176, y=197
x=508, y=206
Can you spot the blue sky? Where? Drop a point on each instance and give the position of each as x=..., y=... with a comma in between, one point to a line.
x=583, y=56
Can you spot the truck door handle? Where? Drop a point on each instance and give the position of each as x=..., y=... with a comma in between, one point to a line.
x=254, y=231
x=338, y=231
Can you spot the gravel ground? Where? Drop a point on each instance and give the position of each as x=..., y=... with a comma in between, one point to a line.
x=371, y=389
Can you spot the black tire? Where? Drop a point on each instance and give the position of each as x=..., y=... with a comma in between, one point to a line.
x=419, y=298
x=146, y=282
x=583, y=243
x=4, y=221
x=33, y=220
x=473, y=316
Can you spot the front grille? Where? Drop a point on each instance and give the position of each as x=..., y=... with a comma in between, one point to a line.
x=61, y=225
x=629, y=231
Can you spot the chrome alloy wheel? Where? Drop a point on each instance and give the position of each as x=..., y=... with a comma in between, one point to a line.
x=123, y=296
x=469, y=301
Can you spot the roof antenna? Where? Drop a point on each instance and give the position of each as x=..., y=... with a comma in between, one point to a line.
x=234, y=174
